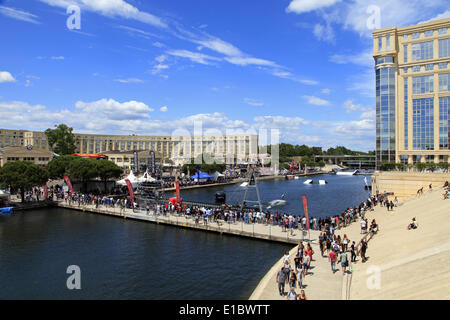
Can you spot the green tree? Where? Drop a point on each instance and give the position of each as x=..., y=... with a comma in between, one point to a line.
x=61, y=139
x=58, y=166
x=420, y=166
x=82, y=169
x=22, y=175
x=106, y=170
x=444, y=166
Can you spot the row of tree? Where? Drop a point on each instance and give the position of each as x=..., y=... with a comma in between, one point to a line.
x=420, y=166
x=24, y=175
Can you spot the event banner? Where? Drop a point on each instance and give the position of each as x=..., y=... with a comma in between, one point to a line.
x=305, y=207
x=177, y=188
x=69, y=184
x=130, y=190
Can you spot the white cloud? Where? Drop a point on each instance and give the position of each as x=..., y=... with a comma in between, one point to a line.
x=193, y=56
x=111, y=109
x=325, y=91
x=111, y=8
x=129, y=80
x=324, y=32
x=253, y=102
x=142, y=33
x=303, y=6
x=364, y=58
x=5, y=76
x=164, y=109
x=443, y=15
x=57, y=58
x=350, y=106
x=19, y=14
x=316, y=101
x=245, y=61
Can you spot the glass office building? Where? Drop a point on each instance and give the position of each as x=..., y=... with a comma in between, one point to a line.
x=412, y=88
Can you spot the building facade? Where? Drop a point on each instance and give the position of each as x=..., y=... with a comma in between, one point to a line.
x=39, y=157
x=181, y=149
x=412, y=82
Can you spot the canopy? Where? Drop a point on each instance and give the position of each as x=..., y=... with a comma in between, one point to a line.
x=146, y=178
x=217, y=174
x=131, y=177
x=201, y=175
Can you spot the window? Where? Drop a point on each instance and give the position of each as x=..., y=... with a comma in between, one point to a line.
x=416, y=68
x=388, y=42
x=444, y=122
x=442, y=31
x=405, y=70
x=384, y=60
x=422, y=51
x=442, y=65
x=415, y=35
x=380, y=41
x=428, y=67
x=444, y=48
x=444, y=82
x=406, y=112
x=423, y=124
x=405, y=53
x=405, y=37
x=429, y=33
x=423, y=84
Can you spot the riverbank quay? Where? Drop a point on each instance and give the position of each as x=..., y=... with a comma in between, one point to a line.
x=251, y=230
x=402, y=263
x=405, y=185
x=241, y=180
x=19, y=206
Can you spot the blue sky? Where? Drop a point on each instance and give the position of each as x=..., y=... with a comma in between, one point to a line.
x=148, y=67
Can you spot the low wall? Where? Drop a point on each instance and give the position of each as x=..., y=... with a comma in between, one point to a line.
x=406, y=184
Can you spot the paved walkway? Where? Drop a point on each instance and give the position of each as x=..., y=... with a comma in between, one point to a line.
x=252, y=230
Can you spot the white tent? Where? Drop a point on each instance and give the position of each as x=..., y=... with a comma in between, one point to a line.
x=133, y=180
x=146, y=178
x=217, y=175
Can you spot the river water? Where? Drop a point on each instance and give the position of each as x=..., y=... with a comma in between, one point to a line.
x=125, y=259
x=330, y=199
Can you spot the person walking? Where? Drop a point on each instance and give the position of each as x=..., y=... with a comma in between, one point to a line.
x=302, y=295
x=292, y=295
x=332, y=258
x=353, y=252
x=281, y=281
x=363, y=250
x=344, y=261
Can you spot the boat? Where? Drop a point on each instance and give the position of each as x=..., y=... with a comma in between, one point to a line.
x=309, y=181
x=244, y=184
x=6, y=211
x=346, y=173
x=323, y=182
x=221, y=197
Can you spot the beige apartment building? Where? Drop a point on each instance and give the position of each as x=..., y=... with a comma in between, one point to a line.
x=412, y=67
x=179, y=149
x=38, y=156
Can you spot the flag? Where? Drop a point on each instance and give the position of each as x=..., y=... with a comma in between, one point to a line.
x=69, y=184
x=130, y=190
x=305, y=207
x=177, y=188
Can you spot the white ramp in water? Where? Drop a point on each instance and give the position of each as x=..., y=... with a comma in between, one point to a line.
x=244, y=184
x=322, y=182
x=309, y=181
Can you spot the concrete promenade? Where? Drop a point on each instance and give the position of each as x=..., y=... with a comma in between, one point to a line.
x=255, y=230
x=411, y=264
